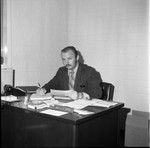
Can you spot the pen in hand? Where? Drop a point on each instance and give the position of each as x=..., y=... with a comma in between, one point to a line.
x=39, y=85
x=41, y=91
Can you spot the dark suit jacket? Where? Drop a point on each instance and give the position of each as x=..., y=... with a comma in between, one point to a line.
x=87, y=80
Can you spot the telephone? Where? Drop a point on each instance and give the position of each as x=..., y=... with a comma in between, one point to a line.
x=10, y=90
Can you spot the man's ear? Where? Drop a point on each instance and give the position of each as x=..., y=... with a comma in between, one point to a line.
x=77, y=57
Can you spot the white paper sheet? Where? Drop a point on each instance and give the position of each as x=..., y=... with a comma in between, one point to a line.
x=53, y=112
x=10, y=98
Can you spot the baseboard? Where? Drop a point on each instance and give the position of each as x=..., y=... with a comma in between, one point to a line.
x=137, y=129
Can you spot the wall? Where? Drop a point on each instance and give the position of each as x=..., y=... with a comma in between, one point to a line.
x=113, y=38
x=7, y=78
x=39, y=32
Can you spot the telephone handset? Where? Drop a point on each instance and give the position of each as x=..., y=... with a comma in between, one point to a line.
x=10, y=90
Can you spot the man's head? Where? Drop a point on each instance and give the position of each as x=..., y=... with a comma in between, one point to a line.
x=69, y=57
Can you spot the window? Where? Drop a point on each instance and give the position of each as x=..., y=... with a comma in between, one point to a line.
x=5, y=33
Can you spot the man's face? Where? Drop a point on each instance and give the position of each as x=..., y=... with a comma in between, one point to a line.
x=69, y=60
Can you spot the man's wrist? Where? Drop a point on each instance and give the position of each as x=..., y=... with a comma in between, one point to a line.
x=44, y=90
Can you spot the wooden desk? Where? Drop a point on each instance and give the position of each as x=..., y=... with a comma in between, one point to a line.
x=21, y=127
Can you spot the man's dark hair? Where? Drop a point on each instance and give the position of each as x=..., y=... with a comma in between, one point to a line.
x=70, y=48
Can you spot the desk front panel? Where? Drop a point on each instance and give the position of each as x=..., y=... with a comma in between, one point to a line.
x=25, y=128
x=100, y=131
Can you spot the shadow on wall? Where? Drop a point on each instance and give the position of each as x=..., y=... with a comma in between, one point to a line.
x=81, y=60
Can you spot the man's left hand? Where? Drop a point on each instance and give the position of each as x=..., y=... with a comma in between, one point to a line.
x=73, y=94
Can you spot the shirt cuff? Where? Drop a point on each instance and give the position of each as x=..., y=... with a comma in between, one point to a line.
x=86, y=96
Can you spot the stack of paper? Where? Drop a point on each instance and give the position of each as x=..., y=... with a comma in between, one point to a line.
x=41, y=97
x=62, y=98
x=60, y=94
x=53, y=112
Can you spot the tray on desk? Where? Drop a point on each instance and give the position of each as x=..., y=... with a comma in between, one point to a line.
x=29, y=89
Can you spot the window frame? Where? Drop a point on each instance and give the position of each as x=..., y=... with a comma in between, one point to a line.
x=6, y=51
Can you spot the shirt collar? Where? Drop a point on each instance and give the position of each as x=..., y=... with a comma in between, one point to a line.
x=75, y=69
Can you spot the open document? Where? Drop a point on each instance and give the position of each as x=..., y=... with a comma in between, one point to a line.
x=80, y=104
x=10, y=98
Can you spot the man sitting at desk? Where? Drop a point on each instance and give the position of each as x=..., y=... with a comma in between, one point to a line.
x=83, y=80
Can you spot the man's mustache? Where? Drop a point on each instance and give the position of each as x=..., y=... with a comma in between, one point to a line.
x=67, y=65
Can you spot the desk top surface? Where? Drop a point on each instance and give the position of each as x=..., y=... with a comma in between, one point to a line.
x=70, y=117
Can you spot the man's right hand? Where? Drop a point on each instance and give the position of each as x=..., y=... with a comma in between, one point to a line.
x=41, y=91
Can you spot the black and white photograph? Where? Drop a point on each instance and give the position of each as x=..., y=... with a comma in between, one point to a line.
x=75, y=73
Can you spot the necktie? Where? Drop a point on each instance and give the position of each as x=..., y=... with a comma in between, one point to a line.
x=71, y=80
